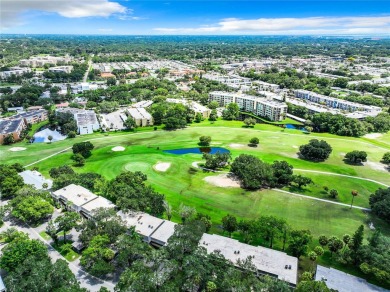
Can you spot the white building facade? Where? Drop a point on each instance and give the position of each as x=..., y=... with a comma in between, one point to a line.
x=267, y=108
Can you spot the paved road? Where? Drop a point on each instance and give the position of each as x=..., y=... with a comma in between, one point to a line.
x=47, y=157
x=89, y=67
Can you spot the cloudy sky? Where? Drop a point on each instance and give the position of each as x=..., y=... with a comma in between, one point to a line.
x=163, y=17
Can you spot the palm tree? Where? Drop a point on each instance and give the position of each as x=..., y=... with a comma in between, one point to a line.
x=354, y=193
x=168, y=210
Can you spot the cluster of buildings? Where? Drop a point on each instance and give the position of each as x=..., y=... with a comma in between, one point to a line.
x=270, y=109
x=16, y=124
x=233, y=81
x=116, y=120
x=175, y=69
x=40, y=61
x=317, y=103
x=157, y=231
x=17, y=71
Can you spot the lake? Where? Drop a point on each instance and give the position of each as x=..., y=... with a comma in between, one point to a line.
x=198, y=150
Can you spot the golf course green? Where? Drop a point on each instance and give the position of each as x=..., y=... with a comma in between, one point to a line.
x=178, y=178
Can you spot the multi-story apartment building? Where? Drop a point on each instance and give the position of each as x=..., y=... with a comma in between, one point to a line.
x=40, y=61
x=32, y=117
x=193, y=105
x=335, y=103
x=270, y=109
x=11, y=127
x=17, y=71
x=141, y=117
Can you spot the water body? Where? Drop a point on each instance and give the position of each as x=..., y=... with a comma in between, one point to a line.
x=41, y=136
x=290, y=126
x=197, y=150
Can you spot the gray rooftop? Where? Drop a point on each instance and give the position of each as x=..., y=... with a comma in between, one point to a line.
x=86, y=118
x=9, y=126
x=265, y=260
x=99, y=202
x=344, y=282
x=35, y=178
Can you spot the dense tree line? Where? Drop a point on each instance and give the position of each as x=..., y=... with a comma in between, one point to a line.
x=124, y=48
x=341, y=125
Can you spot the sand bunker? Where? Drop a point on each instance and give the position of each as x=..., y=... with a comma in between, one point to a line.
x=233, y=145
x=295, y=147
x=118, y=148
x=14, y=149
x=373, y=136
x=223, y=180
x=162, y=166
x=376, y=166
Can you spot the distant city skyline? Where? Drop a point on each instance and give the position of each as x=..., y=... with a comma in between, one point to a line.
x=195, y=17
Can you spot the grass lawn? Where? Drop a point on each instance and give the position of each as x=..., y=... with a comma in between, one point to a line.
x=180, y=184
x=69, y=254
x=183, y=184
x=44, y=235
x=36, y=127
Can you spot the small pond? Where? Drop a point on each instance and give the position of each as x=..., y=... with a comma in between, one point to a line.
x=41, y=136
x=290, y=126
x=198, y=150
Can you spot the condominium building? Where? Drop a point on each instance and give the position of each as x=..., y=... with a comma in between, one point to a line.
x=81, y=200
x=32, y=117
x=267, y=108
x=154, y=231
x=40, y=61
x=17, y=71
x=332, y=102
x=267, y=261
x=86, y=120
x=230, y=80
x=193, y=105
x=11, y=127
x=141, y=117
x=63, y=69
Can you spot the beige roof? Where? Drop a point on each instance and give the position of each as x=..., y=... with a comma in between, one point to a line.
x=99, y=202
x=78, y=195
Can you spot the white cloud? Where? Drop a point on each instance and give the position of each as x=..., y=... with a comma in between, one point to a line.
x=11, y=10
x=308, y=25
x=129, y=17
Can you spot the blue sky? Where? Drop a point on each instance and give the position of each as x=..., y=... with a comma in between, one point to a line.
x=195, y=17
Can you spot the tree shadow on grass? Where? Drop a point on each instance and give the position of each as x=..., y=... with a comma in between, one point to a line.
x=359, y=163
x=295, y=189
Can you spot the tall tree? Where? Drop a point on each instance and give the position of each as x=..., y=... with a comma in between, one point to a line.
x=299, y=242
x=229, y=224
x=67, y=221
